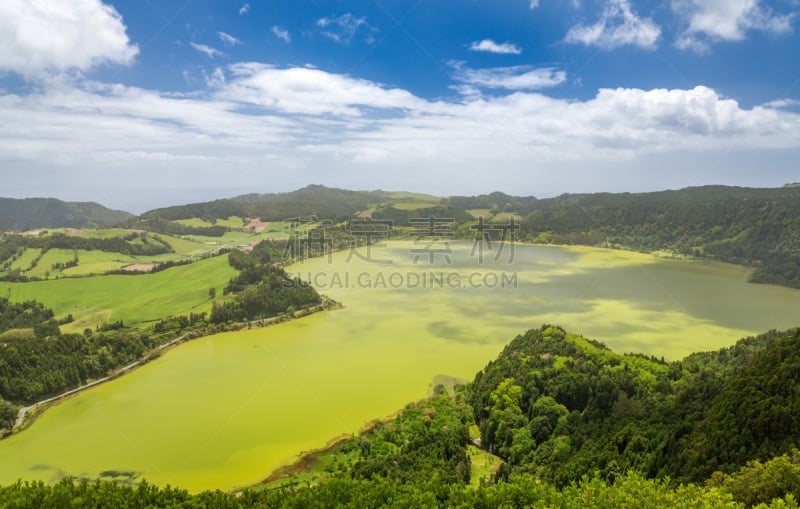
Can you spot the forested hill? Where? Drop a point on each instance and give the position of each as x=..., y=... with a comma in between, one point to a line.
x=21, y=214
x=321, y=201
x=754, y=227
x=757, y=227
x=559, y=406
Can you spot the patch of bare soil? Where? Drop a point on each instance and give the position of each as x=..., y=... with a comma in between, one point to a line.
x=256, y=224
x=139, y=267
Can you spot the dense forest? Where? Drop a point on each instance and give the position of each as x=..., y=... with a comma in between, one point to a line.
x=559, y=407
x=262, y=289
x=314, y=200
x=22, y=214
x=756, y=227
x=573, y=425
x=37, y=361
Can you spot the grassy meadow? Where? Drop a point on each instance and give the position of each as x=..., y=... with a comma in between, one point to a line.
x=134, y=299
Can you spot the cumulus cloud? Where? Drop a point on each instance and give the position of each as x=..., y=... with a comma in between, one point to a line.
x=260, y=125
x=302, y=90
x=618, y=26
x=725, y=20
x=518, y=77
x=228, y=39
x=489, y=46
x=39, y=36
x=282, y=33
x=244, y=9
x=534, y=4
x=343, y=29
x=207, y=50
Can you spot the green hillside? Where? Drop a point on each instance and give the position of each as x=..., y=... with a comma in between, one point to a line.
x=134, y=299
x=753, y=227
x=27, y=213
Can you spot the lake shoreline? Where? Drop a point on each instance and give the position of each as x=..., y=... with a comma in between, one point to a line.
x=27, y=415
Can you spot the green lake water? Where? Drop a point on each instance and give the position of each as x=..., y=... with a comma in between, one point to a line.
x=225, y=410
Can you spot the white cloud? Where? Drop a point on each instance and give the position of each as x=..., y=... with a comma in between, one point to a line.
x=534, y=4
x=207, y=50
x=618, y=26
x=725, y=20
x=41, y=35
x=261, y=125
x=309, y=91
x=228, y=39
x=519, y=77
x=244, y=9
x=343, y=28
x=489, y=46
x=282, y=33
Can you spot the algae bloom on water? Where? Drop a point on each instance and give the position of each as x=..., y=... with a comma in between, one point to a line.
x=225, y=410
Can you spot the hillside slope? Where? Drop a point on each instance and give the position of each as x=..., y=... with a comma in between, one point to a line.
x=26, y=213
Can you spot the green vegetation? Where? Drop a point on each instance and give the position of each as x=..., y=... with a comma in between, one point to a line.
x=230, y=222
x=262, y=288
x=597, y=411
x=45, y=362
x=631, y=491
x=16, y=214
x=754, y=227
x=238, y=392
x=134, y=299
x=26, y=260
x=15, y=248
x=326, y=203
x=421, y=458
x=558, y=419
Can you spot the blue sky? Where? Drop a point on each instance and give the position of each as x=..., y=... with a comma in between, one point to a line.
x=145, y=103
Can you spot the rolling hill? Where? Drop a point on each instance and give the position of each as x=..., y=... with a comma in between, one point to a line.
x=754, y=227
x=26, y=213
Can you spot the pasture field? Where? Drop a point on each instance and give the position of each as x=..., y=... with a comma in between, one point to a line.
x=398, y=196
x=97, y=262
x=24, y=261
x=503, y=217
x=413, y=205
x=476, y=213
x=235, y=238
x=134, y=299
x=50, y=258
x=99, y=233
x=196, y=222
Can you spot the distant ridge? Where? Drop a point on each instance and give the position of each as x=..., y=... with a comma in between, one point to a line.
x=26, y=213
x=758, y=227
x=327, y=202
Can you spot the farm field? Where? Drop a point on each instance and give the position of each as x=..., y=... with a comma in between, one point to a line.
x=24, y=261
x=96, y=262
x=196, y=222
x=134, y=299
x=234, y=395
